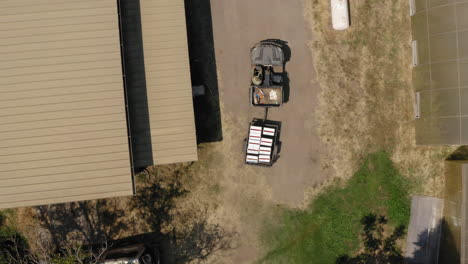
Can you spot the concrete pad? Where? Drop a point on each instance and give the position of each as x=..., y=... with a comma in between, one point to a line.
x=424, y=230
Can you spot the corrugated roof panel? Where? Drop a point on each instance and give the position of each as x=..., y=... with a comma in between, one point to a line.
x=11, y=182
x=58, y=91
x=79, y=152
x=67, y=170
x=86, y=194
x=97, y=120
x=168, y=83
x=63, y=130
x=439, y=34
x=68, y=190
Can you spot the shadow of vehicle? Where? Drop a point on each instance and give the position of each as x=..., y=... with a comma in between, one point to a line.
x=284, y=46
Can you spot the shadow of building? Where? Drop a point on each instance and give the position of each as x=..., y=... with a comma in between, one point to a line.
x=134, y=69
x=203, y=71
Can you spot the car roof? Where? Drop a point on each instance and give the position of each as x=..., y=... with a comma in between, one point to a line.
x=267, y=53
x=138, y=249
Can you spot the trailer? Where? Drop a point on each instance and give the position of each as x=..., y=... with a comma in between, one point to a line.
x=267, y=74
x=262, y=144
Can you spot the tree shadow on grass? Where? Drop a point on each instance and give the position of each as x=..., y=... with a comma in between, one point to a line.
x=379, y=245
x=434, y=245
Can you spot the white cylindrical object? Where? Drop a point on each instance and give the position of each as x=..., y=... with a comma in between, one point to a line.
x=340, y=14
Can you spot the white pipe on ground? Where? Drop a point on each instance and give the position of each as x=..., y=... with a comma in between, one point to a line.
x=340, y=14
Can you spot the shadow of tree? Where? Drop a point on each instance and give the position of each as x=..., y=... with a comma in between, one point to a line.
x=86, y=221
x=460, y=153
x=186, y=235
x=157, y=197
x=182, y=234
x=198, y=239
x=432, y=246
x=379, y=245
x=446, y=250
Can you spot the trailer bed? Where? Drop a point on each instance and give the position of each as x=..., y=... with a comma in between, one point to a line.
x=262, y=142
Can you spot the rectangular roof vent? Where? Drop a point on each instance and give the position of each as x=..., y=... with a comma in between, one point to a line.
x=417, y=111
x=414, y=50
x=412, y=7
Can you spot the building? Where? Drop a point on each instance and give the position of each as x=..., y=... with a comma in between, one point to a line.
x=69, y=123
x=424, y=230
x=440, y=72
x=454, y=238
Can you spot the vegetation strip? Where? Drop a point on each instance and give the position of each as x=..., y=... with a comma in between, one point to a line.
x=330, y=226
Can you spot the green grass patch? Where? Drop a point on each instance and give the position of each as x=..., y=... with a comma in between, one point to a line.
x=331, y=225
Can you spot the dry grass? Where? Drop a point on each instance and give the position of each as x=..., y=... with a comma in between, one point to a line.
x=366, y=103
x=365, y=106
x=239, y=197
x=234, y=196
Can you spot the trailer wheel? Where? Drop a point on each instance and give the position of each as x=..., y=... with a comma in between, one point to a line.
x=278, y=147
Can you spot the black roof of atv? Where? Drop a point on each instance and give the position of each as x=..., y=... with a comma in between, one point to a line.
x=267, y=53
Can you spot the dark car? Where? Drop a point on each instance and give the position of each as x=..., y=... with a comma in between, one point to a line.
x=134, y=254
x=266, y=88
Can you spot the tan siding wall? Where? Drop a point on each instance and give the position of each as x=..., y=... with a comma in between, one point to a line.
x=168, y=81
x=63, y=131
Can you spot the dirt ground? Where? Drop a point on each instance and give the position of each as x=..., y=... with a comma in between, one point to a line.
x=244, y=196
x=237, y=26
x=351, y=95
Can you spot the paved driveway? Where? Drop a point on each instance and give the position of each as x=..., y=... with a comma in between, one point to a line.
x=237, y=26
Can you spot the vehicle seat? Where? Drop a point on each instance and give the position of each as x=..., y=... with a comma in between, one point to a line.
x=277, y=78
x=267, y=77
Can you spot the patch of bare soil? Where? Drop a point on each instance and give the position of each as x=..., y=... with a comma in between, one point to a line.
x=178, y=203
x=366, y=103
x=239, y=197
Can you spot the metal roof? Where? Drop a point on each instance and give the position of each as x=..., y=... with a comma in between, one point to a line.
x=423, y=240
x=450, y=240
x=63, y=128
x=168, y=83
x=440, y=74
